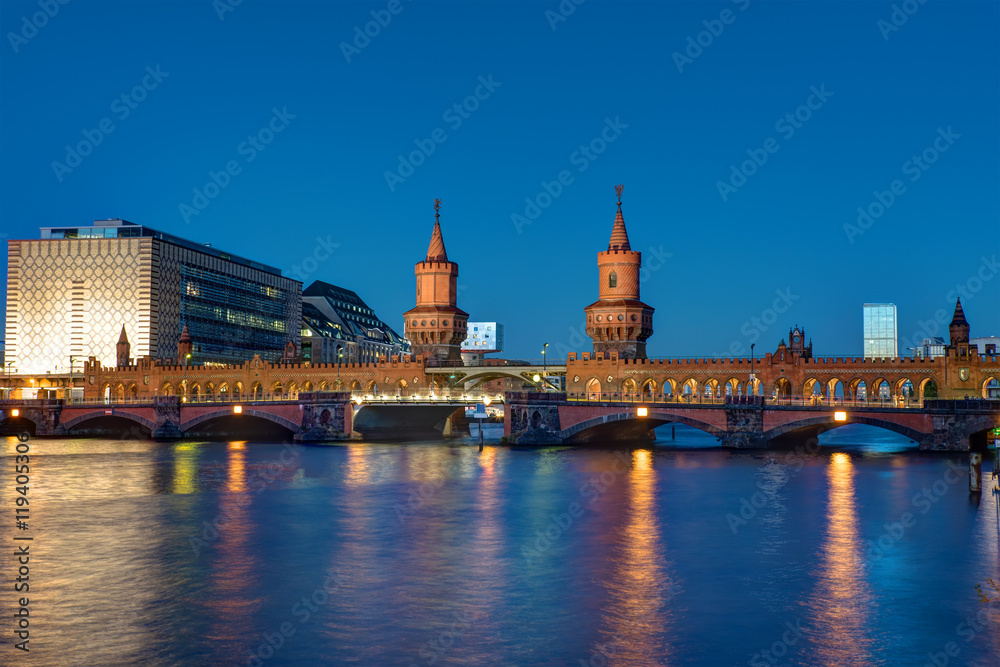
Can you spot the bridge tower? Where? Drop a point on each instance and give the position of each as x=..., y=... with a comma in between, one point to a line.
x=618, y=320
x=122, y=349
x=184, y=345
x=958, y=330
x=436, y=327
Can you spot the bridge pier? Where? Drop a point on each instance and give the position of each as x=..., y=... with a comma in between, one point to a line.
x=168, y=418
x=325, y=417
x=744, y=423
x=532, y=418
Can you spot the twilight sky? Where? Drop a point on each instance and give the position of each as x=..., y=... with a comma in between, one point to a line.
x=337, y=144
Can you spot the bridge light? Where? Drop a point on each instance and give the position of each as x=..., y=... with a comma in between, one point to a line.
x=840, y=416
x=237, y=409
x=15, y=412
x=487, y=400
x=537, y=377
x=642, y=412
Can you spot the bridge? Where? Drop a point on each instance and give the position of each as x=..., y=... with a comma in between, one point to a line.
x=534, y=418
x=308, y=417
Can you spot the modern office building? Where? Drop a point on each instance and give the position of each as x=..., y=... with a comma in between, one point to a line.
x=70, y=293
x=483, y=338
x=336, y=321
x=880, y=330
x=985, y=344
x=930, y=348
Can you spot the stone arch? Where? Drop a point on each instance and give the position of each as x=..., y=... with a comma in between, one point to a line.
x=370, y=387
x=880, y=389
x=324, y=386
x=167, y=389
x=927, y=388
x=194, y=391
x=223, y=391
x=292, y=392
x=782, y=388
x=256, y=391
x=690, y=387
x=990, y=388
x=99, y=414
x=669, y=386
x=119, y=392
x=629, y=387
x=812, y=387
x=648, y=389
x=132, y=391
x=732, y=387
x=307, y=386
x=831, y=389
x=238, y=389
x=593, y=389
x=712, y=388
x=263, y=414
x=815, y=424
x=859, y=389
x=210, y=389
x=277, y=389
x=355, y=385
x=655, y=418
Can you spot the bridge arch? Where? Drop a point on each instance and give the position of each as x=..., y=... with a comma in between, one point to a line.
x=816, y=425
x=629, y=387
x=991, y=388
x=100, y=414
x=927, y=388
x=648, y=387
x=782, y=387
x=593, y=388
x=654, y=419
x=228, y=413
x=17, y=424
x=812, y=387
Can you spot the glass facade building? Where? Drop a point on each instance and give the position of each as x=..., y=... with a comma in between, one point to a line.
x=337, y=325
x=70, y=293
x=880, y=330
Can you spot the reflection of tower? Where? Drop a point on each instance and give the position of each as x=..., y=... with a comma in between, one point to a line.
x=958, y=330
x=184, y=345
x=436, y=327
x=618, y=320
x=122, y=349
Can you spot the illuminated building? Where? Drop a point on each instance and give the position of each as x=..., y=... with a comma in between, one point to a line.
x=336, y=321
x=483, y=338
x=70, y=293
x=880, y=330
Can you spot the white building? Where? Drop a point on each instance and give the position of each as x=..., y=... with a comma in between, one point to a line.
x=483, y=338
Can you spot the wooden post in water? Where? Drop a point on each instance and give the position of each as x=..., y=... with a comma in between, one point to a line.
x=975, y=472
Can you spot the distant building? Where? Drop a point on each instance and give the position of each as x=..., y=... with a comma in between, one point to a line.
x=930, y=348
x=483, y=338
x=880, y=330
x=336, y=321
x=986, y=344
x=70, y=293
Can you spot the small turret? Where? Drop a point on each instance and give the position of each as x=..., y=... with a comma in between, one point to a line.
x=122, y=349
x=184, y=345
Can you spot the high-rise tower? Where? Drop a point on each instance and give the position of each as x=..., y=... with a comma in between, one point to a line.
x=618, y=320
x=436, y=327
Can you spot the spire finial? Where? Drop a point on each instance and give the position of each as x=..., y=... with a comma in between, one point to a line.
x=437, y=208
x=618, y=190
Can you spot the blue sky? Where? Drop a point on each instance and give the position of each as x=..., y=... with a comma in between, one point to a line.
x=610, y=93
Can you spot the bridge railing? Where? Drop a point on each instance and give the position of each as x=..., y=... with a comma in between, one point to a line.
x=424, y=397
x=694, y=399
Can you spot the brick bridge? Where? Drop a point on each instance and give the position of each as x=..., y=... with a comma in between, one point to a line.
x=312, y=417
x=743, y=421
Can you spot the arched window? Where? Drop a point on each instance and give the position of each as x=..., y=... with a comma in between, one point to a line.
x=613, y=280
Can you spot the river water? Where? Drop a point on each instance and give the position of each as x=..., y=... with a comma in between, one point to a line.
x=861, y=551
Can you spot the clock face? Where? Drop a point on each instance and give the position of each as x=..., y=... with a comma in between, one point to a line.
x=795, y=339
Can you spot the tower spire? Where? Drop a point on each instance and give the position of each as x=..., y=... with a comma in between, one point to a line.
x=619, y=237
x=436, y=251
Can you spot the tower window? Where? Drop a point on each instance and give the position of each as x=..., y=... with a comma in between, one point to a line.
x=613, y=280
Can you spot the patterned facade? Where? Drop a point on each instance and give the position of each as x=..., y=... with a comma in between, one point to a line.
x=70, y=293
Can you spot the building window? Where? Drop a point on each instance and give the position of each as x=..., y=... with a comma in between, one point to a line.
x=613, y=280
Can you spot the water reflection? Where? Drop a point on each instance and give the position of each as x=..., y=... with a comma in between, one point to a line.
x=636, y=621
x=185, y=468
x=842, y=603
x=233, y=579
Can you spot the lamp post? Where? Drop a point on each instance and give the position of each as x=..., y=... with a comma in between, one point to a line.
x=340, y=360
x=752, y=392
x=545, y=367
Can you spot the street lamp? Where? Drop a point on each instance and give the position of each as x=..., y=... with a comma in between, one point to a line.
x=340, y=360
x=752, y=392
x=544, y=366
